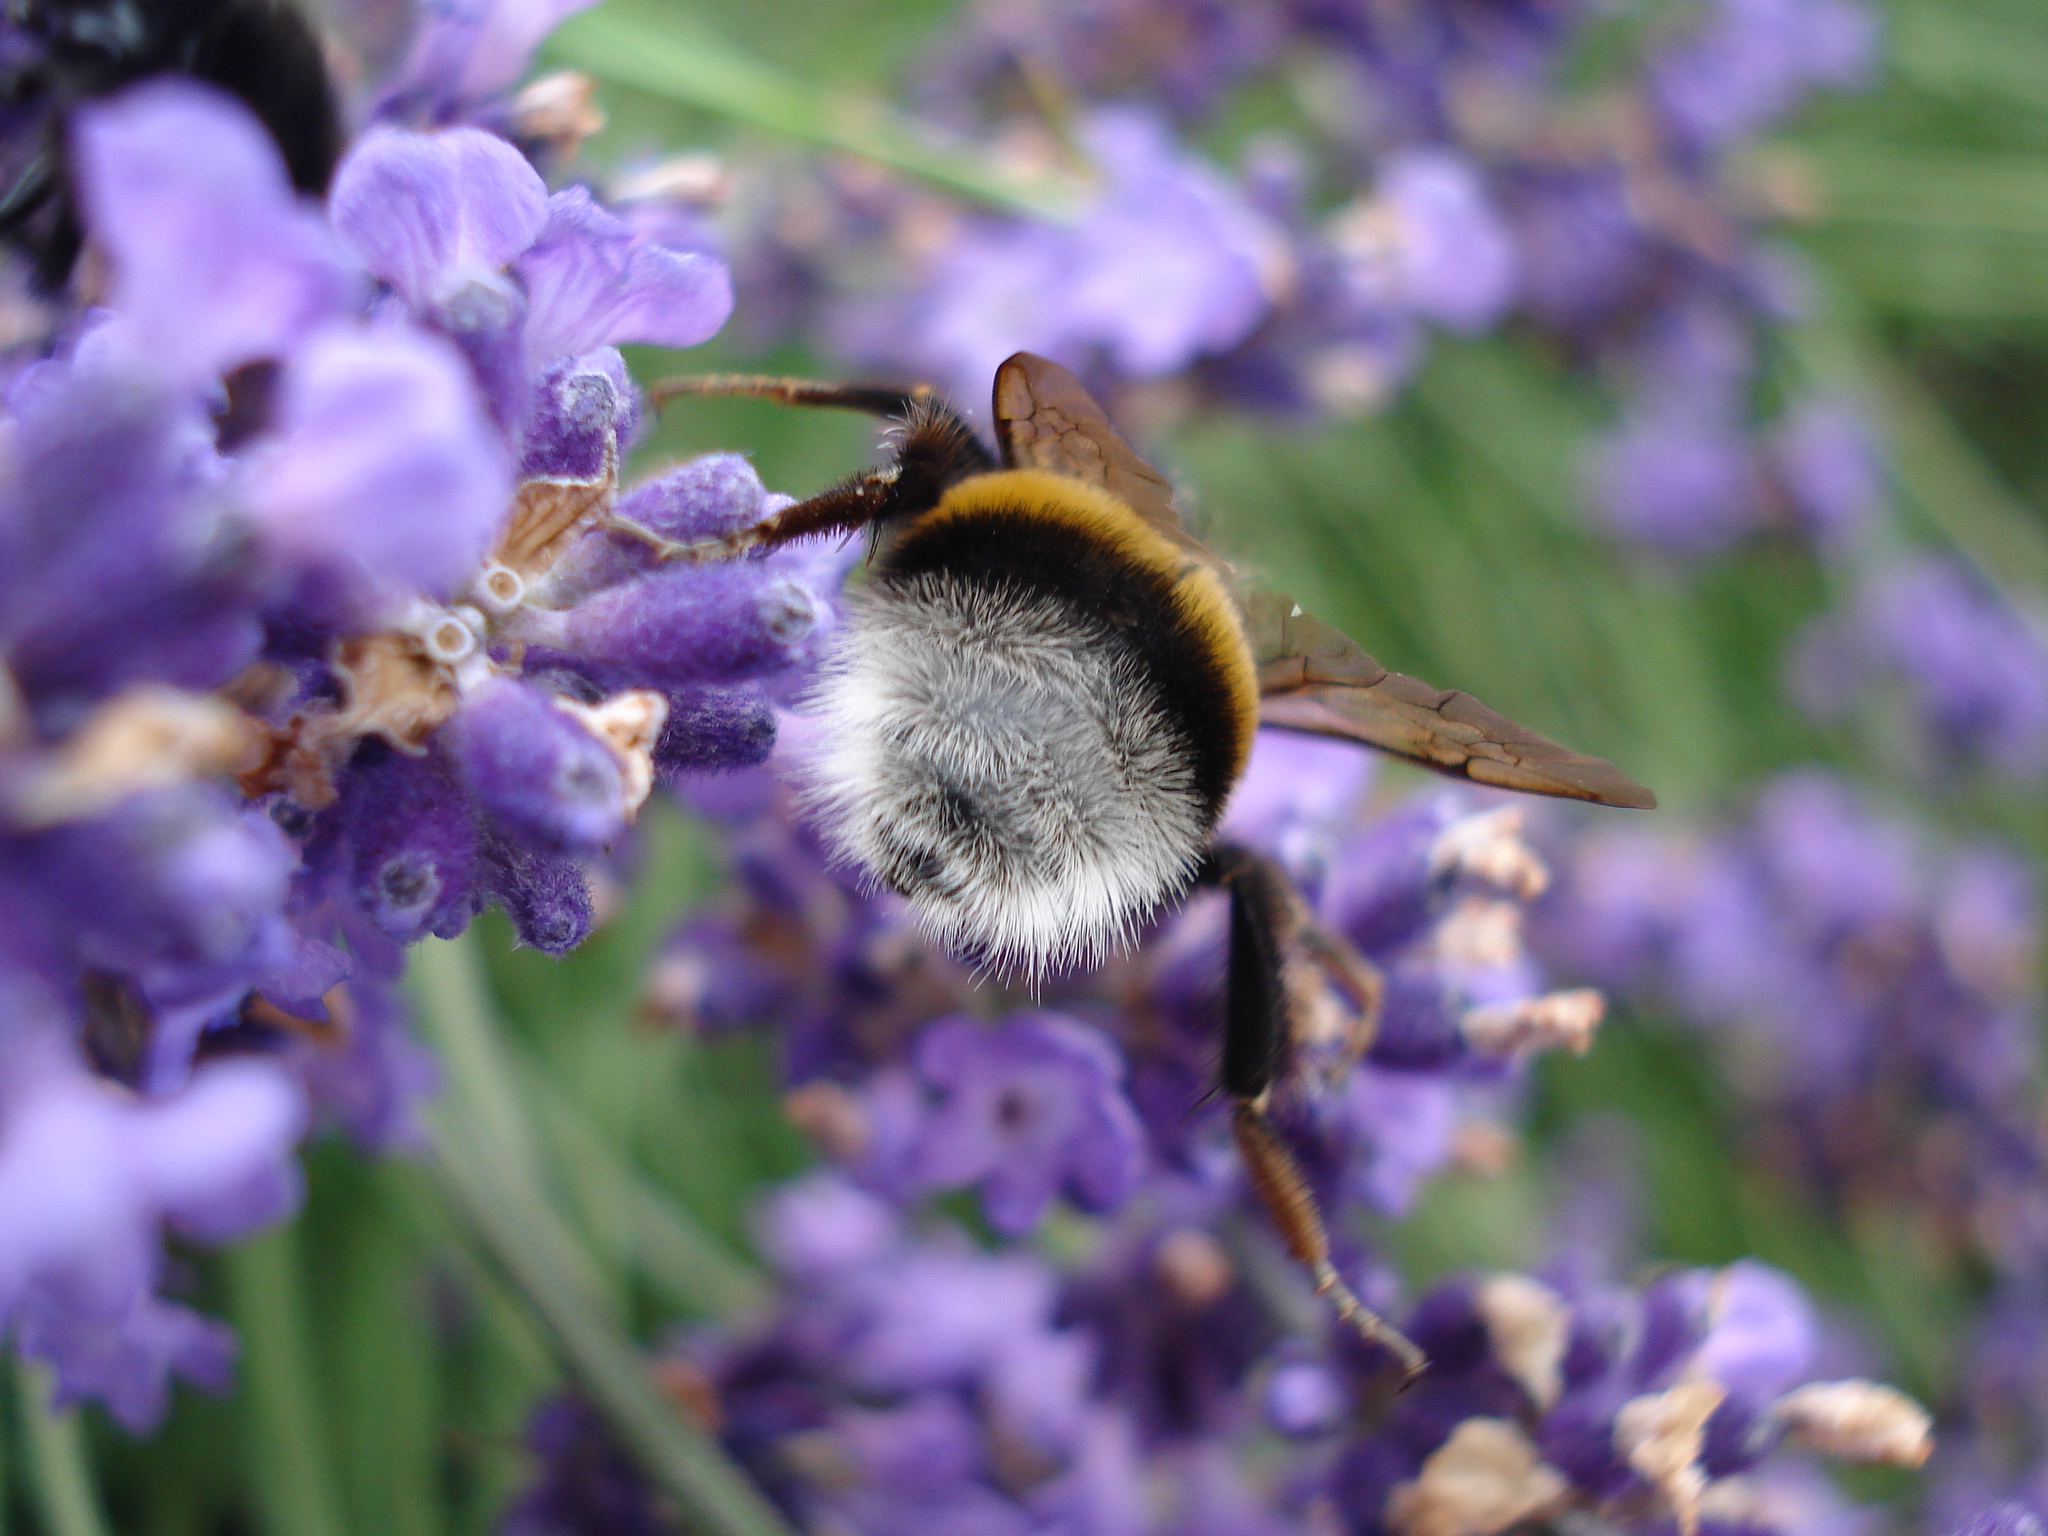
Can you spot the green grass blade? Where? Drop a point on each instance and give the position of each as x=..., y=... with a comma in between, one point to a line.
x=492, y=1185
x=668, y=1245
x=286, y=1440
x=60, y=1477
x=669, y=52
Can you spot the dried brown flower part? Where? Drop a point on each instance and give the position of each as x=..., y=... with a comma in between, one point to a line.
x=1858, y=1421
x=148, y=737
x=1661, y=1434
x=630, y=724
x=1528, y=1326
x=1486, y=1478
x=1554, y=1021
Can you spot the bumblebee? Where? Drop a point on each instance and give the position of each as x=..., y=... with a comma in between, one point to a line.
x=1044, y=694
x=263, y=51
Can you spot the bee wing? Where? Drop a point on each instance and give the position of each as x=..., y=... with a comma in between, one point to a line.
x=1315, y=678
x=1046, y=419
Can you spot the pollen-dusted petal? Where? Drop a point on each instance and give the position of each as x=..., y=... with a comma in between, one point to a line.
x=1661, y=1435
x=1528, y=1326
x=535, y=769
x=428, y=212
x=1554, y=1021
x=145, y=738
x=1857, y=1421
x=1484, y=1479
x=592, y=282
x=387, y=468
x=214, y=260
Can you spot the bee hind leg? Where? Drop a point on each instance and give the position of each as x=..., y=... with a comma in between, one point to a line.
x=1267, y=918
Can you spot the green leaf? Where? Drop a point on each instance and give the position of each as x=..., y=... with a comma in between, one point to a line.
x=485, y=1152
x=60, y=1475
x=285, y=1437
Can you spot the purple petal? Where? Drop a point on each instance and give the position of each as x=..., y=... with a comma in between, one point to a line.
x=1456, y=256
x=428, y=212
x=388, y=465
x=220, y=1154
x=591, y=282
x=468, y=50
x=215, y=262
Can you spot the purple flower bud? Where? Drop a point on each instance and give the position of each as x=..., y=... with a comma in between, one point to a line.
x=702, y=499
x=412, y=843
x=573, y=430
x=825, y=1225
x=1027, y=1108
x=386, y=468
x=714, y=728
x=591, y=282
x=536, y=770
x=546, y=896
x=682, y=625
x=1418, y=1022
x=1762, y=1335
x=429, y=212
x=1304, y=1399
x=214, y=261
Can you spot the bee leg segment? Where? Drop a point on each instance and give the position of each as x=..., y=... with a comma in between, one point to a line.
x=874, y=399
x=844, y=508
x=1266, y=914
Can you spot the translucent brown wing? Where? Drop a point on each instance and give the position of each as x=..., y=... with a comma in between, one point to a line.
x=1314, y=678
x=1046, y=420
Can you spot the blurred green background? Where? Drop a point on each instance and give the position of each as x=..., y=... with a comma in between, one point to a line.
x=394, y=1341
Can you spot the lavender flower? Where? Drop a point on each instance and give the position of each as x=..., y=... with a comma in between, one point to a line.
x=278, y=538
x=1974, y=672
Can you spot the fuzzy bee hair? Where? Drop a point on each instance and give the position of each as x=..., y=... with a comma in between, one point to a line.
x=1003, y=764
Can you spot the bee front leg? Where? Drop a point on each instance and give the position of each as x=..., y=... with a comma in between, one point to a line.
x=1267, y=917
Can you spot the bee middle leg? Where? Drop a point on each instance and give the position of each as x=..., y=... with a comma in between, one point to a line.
x=1267, y=920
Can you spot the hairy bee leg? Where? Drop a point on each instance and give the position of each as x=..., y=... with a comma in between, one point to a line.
x=1266, y=915
x=1285, y=1194
x=1356, y=975
x=937, y=451
x=874, y=399
x=845, y=508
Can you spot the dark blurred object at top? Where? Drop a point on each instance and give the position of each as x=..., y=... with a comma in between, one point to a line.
x=55, y=54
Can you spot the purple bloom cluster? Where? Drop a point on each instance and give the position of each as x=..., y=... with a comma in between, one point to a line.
x=1159, y=1378
x=1129, y=1350
x=1971, y=670
x=316, y=637
x=1875, y=999
x=1441, y=174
